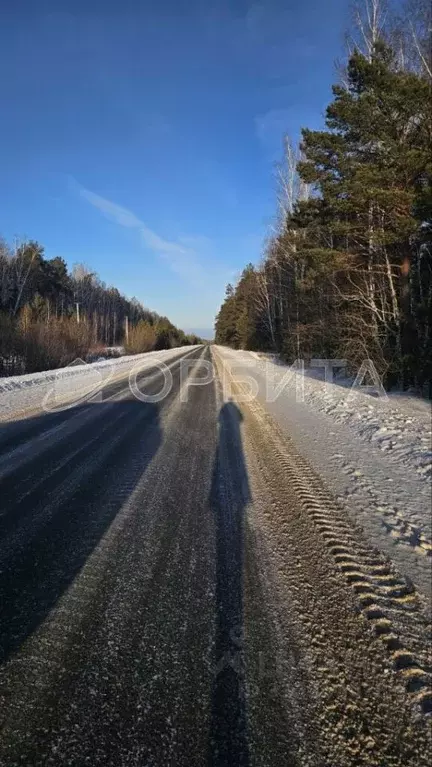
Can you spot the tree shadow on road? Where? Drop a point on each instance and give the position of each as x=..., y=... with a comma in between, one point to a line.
x=229, y=497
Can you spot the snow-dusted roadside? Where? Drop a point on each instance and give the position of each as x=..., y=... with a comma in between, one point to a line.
x=397, y=424
x=374, y=453
x=19, y=394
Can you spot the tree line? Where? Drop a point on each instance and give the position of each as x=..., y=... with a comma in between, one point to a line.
x=347, y=272
x=50, y=316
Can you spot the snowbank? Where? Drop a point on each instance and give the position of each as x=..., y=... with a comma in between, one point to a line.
x=399, y=425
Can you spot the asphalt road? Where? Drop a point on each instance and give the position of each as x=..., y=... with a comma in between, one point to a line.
x=178, y=588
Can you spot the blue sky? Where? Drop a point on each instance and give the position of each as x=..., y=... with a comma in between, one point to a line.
x=140, y=137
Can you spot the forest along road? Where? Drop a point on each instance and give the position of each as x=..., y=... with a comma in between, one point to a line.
x=177, y=587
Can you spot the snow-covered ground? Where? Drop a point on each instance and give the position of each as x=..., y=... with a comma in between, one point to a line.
x=49, y=389
x=373, y=452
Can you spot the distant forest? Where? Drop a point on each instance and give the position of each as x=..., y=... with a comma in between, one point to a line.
x=347, y=271
x=49, y=317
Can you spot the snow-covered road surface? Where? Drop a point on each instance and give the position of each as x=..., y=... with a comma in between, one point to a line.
x=178, y=586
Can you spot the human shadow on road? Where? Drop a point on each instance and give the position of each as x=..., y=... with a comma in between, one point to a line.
x=56, y=508
x=229, y=497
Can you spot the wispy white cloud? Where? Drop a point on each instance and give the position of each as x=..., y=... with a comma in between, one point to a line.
x=181, y=256
x=194, y=258
x=115, y=212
